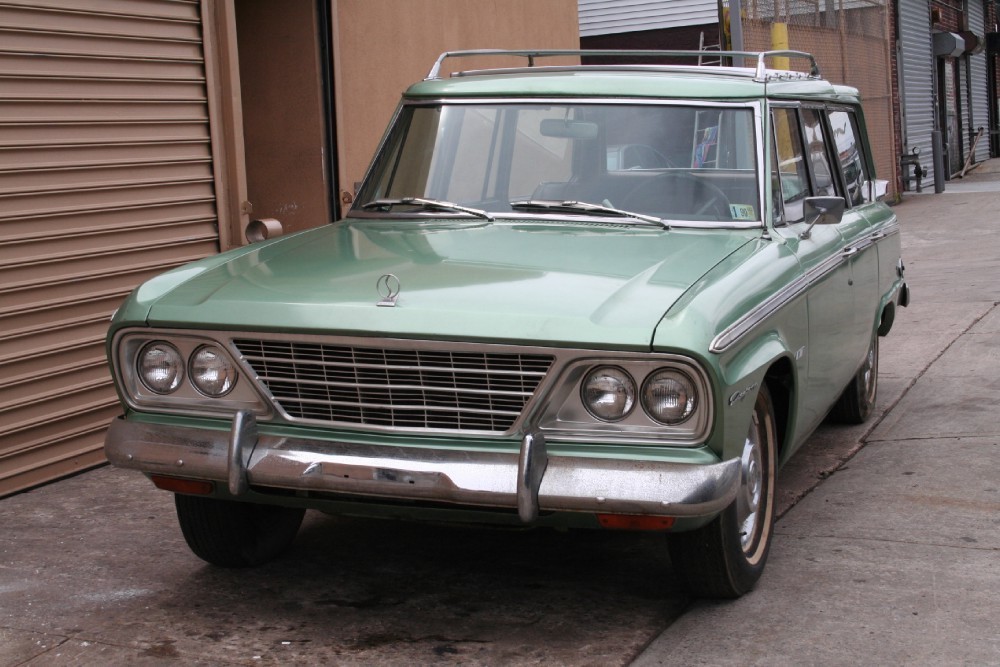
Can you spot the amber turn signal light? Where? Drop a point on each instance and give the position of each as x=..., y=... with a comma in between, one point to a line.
x=193, y=487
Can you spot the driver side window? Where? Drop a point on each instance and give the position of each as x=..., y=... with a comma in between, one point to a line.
x=793, y=178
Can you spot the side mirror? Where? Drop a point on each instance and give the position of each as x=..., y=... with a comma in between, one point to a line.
x=822, y=211
x=879, y=188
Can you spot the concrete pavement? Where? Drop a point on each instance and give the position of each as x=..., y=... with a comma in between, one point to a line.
x=895, y=558
x=887, y=552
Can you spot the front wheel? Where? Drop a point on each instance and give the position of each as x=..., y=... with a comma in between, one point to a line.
x=233, y=534
x=725, y=558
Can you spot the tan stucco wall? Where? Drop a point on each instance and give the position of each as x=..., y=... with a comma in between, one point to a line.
x=382, y=46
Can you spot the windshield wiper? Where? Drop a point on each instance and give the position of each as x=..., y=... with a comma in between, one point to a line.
x=585, y=207
x=436, y=204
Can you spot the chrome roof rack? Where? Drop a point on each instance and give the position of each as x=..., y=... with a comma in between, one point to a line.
x=760, y=72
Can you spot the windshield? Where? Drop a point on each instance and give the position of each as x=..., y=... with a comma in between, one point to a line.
x=661, y=162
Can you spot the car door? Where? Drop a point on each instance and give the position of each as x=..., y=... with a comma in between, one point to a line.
x=833, y=266
x=855, y=167
x=855, y=227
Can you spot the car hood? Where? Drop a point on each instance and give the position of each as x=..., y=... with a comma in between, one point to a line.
x=591, y=285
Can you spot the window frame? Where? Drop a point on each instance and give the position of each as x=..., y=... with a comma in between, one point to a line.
x=863, y=153
x=383, y=160
x=839, y=181
x=794, y=108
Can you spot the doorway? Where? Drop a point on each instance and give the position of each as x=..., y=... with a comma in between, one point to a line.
x=285, y=83
x=950, y=113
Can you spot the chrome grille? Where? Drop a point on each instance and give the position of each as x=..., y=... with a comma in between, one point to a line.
x=401, y=388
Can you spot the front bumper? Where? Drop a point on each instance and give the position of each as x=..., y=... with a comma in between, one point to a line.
x=530, y=481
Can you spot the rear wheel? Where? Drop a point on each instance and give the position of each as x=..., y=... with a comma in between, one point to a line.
x=725, y=558
x=857, y=402
x=232, y=534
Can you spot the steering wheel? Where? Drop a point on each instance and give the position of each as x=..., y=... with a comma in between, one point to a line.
x=679, y=193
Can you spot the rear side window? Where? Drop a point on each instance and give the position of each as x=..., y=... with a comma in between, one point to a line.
x=849, y=154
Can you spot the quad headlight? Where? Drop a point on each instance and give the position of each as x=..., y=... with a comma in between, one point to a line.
x=183, y=372
x=211, y=372
x=608, y=393
x=160, y=367
x=637, y=397
x=669, y=396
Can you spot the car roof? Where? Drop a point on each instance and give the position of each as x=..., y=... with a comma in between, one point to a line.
x=681, y=82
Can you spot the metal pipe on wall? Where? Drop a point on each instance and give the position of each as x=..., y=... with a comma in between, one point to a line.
x=937, y=148
x=736, y=25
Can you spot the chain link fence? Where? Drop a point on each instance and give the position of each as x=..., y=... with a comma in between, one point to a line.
x=865, y=18
x=851, y=42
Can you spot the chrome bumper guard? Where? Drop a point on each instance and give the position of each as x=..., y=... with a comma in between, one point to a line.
x=530, y=481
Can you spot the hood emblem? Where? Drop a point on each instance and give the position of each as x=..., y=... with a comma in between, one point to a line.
x=388, y=289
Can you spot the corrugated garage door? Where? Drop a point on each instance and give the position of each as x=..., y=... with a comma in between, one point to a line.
x=916, y=85
x=980, y=85
x=105, y=179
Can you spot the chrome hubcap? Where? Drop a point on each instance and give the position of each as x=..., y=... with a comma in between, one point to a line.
x=870, y=374
x=751, y=486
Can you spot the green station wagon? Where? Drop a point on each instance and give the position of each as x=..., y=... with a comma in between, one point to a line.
x=588, y=296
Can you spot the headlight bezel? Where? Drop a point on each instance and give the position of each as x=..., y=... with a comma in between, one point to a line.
x=186, y=399
x=564, y=417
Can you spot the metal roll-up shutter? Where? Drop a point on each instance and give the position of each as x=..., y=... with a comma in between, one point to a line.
x=916, y=88
x=980, y=84
x=605, y=17
x=966, y=117
x=106, y=178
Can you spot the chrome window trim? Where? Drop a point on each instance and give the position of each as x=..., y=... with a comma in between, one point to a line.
x=756, y=106
x=559, y=382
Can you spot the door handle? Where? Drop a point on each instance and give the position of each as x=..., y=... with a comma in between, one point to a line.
x=850, y=251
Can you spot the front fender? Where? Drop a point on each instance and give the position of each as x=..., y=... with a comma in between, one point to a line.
x=742, y=373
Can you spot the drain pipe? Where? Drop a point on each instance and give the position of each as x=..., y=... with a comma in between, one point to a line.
x=736, y=28
x=937, y=148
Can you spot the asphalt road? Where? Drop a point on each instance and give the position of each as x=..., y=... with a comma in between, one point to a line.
x=93, y=570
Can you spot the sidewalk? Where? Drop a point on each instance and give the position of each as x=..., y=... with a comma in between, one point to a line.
x=895, y=559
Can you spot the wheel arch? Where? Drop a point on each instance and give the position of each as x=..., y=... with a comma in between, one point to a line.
x=767, y=361
x=888, y=316
x=780, y=382
x=898, y=296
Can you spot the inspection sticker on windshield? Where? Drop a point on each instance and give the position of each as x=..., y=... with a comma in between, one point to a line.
x=742, y=212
